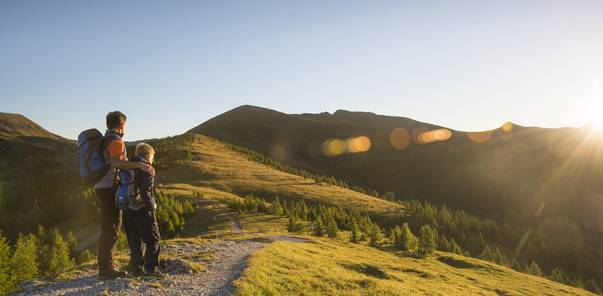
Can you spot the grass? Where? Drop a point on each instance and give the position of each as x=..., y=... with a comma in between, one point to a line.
x=335, y=267
x=218, y=172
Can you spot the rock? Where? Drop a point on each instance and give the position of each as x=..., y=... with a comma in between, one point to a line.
x=177, y=266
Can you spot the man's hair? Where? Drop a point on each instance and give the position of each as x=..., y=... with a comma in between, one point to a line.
x=115, y=119
x=144, y=150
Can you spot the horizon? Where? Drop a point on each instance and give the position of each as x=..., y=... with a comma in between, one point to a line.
x=465, y=66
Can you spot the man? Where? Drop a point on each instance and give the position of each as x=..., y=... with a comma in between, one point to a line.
x=140, y=220
x=114, y=149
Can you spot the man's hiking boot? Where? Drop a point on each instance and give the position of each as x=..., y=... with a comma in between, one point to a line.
x=136, y=272
x=111, y=274
x=153, y=273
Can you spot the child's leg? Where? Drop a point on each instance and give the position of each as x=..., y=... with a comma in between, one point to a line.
x=150, y=236
x=134, y=241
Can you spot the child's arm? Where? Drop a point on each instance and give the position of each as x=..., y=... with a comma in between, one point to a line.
x=146, y=190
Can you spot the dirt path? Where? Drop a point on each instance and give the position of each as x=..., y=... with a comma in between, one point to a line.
x=229, y=262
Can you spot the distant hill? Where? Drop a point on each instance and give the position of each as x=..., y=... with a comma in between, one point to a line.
x=512, y=173
x=38, y=176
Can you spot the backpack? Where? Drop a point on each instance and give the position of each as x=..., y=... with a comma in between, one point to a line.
x=92, y=155
x=127, y=193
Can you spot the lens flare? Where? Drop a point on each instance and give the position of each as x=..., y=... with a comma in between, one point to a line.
x=400, y=138
x=479, y=137
x=358, y=144
x=334, y=147
x=507, y=127
x=434, y=136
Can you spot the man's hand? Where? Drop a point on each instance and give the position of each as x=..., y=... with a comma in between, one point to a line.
x=148, y=168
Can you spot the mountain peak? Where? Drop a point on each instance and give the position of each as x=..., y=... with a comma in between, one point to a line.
x=18, y=126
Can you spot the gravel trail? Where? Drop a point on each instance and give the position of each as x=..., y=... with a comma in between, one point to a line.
x=230, y=260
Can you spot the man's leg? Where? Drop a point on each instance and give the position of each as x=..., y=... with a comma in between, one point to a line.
x=134, y=241
x=110, y=224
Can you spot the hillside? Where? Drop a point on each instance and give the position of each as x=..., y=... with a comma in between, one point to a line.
x=215, y=166
x=205, y=188
x=38, y=175
x=510, y=173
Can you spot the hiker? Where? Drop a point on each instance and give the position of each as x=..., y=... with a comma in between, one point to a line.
x=115, y=149
x=140, y=220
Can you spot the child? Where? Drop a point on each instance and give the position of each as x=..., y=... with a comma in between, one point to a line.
x=140, y=220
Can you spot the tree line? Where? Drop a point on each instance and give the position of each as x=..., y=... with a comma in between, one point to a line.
x=422, y=230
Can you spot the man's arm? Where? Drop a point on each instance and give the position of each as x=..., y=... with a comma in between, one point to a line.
x=117, y=163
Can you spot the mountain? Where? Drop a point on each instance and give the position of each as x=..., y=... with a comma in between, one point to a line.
x=512, y=173
x=40, y=186
x=38, y=176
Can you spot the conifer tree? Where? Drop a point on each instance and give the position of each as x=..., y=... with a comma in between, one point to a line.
x=534, y=269
x=332, y=228
x=558, y=275
x=444, y=244
x=355, y=232
x=375, y=235
x=396, y=233
x=319, y=227
x=427, y=242
x=277, y=208
x=59, y=260
x=455, y=247
x=293, y=225
x=23, y=263
x=6, y=282
x=407, y=240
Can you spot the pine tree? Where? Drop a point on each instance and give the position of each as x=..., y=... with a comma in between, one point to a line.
x=277, y=208
x=332, y=228
x=427, y=243
x=319, y=227
x=395, y=233
x=59, y=261
x=23, y=263
x=534, y=269
x=355, y=232
x=444, y=244
x=486, y=254
x=558, y=275
x=375, y=235
x=407, y=241
x=6, y=282
x=455, y=247
x=293, y=225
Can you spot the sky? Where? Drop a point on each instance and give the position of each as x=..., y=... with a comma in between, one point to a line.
x=171, y=65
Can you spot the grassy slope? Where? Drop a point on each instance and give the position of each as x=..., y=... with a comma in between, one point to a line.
x=329, y=267
x=218, y=171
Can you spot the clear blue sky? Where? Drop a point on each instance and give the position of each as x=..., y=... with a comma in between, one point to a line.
x=170, y=65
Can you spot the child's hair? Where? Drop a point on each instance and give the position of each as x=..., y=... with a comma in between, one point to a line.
x=144, y=150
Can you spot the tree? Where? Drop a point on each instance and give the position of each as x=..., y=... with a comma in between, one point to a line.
x=23, y=263
x=375, y=235
x=6, y=283
x=59, y=260
x=455, y=247
x=534, y=269
x=395, y=234
x=293, y=225
x=560, y=276
x=277, y=208
x=355, y=232
x=319, y=227
x=332, y=228
x=444, y=244
x=406, y=241
x=427, y=243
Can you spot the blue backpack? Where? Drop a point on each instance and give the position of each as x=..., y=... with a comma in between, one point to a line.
x=127, y=194
x=92, y=154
